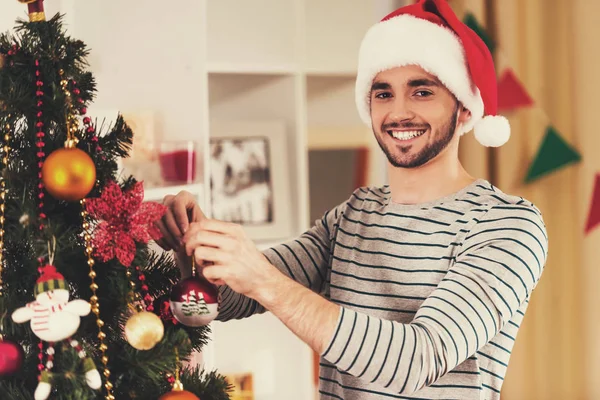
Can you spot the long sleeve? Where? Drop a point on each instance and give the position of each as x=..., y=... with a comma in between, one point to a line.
x=305, y=260
x=496, y=268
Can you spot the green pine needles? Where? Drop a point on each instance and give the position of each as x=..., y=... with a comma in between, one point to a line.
x=134, y=374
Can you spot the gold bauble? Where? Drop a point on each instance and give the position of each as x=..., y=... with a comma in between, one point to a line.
x=144, y=330
x=69, y=174
x=179, y=395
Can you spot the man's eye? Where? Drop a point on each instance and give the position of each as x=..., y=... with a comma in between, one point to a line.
x=423, y=93
x=383, y=95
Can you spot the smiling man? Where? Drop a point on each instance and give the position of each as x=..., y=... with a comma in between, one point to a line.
x=413, y=290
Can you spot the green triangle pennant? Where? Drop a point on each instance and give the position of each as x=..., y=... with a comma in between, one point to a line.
x=554, y=153
x=472, y=23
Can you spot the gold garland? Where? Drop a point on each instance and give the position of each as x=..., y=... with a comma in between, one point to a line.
x=72, y=122
x=94, y=301
x=5, y=150
x=134, y=298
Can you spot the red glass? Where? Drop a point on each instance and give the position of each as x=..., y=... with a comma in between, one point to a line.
x=178, y=162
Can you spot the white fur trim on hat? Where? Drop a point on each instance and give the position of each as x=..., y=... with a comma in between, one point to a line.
x=407, y=40
x=492, y=131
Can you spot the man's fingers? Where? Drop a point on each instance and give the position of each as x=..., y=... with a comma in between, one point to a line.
x=196, y=214
x=214, y=275
x=173, y=228
x=186, y=210
x=180, y=213
x=227, y=228
x=217, y=256
x=167, y=237
x=206, y=238
x=163, y=244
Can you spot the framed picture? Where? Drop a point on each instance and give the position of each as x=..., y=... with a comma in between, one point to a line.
x=249, y=180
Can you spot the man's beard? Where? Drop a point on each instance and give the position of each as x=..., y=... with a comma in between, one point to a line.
x=445, y=135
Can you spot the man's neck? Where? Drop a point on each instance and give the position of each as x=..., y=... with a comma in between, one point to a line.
x=437, y=179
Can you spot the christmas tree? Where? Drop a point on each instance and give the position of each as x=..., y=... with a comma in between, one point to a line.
x=84, y=301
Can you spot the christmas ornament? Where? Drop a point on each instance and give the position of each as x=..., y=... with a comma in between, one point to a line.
x=124, y=220
x=24, y=220
x=35, y=9
x=178, y=393
x=41, y=154
x=2, y=63
x=194, y=301
x=144, y=330
x=11, y=357
x=69, y=174
x=94, y=300
x=54, y=318
x=162, y=307
x=5, y=153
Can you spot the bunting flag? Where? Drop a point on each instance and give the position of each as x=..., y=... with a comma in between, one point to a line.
x=472, y=23
x=511, y=93
x=553, y=154
x=594, y=214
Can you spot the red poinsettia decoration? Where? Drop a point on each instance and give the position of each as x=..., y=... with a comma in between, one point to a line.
x=124, y=219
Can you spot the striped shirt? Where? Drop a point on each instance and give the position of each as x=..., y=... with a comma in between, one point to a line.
x=432, y=295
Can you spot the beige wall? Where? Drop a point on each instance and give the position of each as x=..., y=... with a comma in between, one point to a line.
x=585, y=56
x=552, y=45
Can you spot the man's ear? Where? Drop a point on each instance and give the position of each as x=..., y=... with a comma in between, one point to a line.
x=464, y=115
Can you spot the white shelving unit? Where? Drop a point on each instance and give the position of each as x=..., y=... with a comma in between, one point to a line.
x=195, y=62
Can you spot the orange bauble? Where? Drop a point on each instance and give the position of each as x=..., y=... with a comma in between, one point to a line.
x=179, y=395
x=69, y=174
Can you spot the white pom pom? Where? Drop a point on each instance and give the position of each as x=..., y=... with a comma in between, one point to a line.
x=492, y=131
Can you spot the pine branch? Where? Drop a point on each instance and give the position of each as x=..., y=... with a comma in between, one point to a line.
x=207, y=386
x=45, y=47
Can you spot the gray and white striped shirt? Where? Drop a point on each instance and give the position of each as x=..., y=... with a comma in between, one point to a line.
x=432, y=294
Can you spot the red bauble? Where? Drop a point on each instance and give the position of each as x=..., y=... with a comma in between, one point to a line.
x=11, y=358
x=194, y=302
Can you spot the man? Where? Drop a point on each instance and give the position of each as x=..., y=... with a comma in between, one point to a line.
x=412, y=290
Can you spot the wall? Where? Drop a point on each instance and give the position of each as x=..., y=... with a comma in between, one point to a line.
x=141, y=64
x=586, y=85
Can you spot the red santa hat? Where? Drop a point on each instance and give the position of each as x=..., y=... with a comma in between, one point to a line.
x=50, y=279
x=430, y=35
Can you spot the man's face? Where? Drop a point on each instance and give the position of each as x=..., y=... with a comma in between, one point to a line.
x=414, y=116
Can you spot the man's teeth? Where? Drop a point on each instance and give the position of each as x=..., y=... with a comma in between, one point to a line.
x=405, y=135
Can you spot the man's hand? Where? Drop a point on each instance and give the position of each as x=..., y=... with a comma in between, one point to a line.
x=182, y=210
x=235, y=259
x=242, y=267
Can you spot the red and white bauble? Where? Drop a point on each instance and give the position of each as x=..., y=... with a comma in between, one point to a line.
x=194, y=302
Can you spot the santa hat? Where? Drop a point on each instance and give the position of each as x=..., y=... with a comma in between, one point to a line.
x=49, y=280
x=430, y=35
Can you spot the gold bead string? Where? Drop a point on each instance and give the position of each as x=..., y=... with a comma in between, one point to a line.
x=5, y=150
x=94, y=300
x=177, y=385
x=72, y=121
x=134, y=297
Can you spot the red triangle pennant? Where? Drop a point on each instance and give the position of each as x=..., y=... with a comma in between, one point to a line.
x=511, y=93
x=594, y=214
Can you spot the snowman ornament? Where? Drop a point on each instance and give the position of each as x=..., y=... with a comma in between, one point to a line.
x=53, y=318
